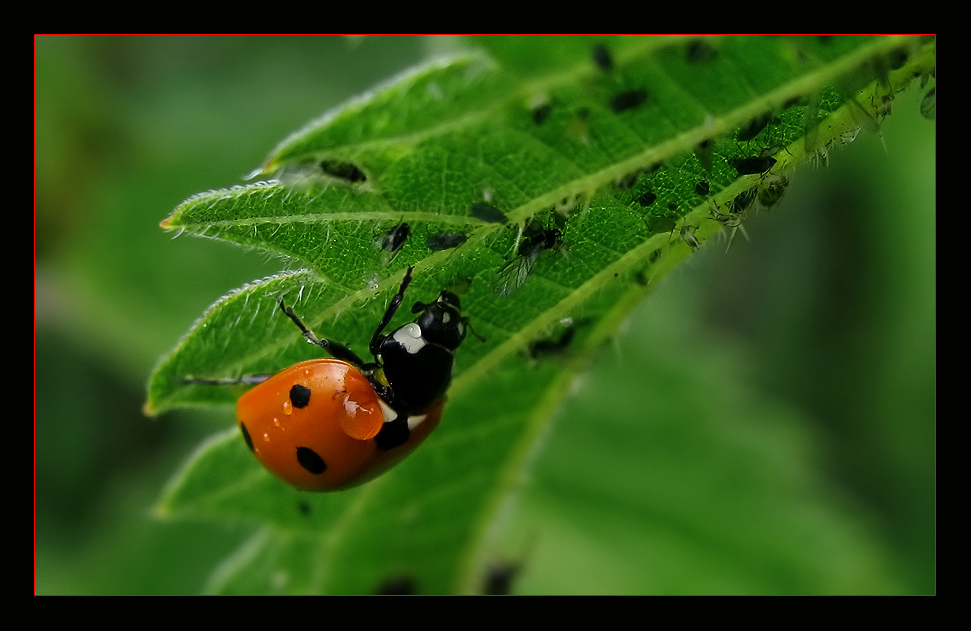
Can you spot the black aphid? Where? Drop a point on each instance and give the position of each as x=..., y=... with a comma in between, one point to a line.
x=628, y=100
x=446, y=240
x=603, y=58
x=343, y=170
x=489, y=214
x=396, y=238
x=928, y=105
x=754, y=127
x=535, y=240
x=699, y=51
x=647, y=198
x=754, y=165
x=541, y=112
x=552, y=346
x=705, y=152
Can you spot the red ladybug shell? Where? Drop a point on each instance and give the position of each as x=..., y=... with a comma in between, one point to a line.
x=313, y=425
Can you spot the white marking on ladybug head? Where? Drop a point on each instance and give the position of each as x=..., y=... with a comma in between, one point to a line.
x=415, y=421
x=389, y=414
x=409, y=336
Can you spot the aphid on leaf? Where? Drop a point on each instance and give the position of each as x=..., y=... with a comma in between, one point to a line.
x=489, y=214
x=395, y=238
x=541, y=112
x=553, y=346
x=603, y=58
x=741, y=202
x=342, y=170
x=754, y=165
x=514, y=274
x=772, y=190
x=928, y=105
x=699, y=51
x=661, y=224
x=446, y=240
x=705, y=152
x=736, y=213
x=755, y=127
x=499, y=578
x=647, y=198
x=628, y=181
x=897, y=58
x=399, y=584
x=688, y=235
x=628, y=100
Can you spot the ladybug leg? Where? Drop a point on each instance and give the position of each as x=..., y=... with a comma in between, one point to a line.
x=336, y=349
x=377, y=338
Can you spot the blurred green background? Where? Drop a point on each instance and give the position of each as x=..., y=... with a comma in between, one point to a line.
x=808, y=466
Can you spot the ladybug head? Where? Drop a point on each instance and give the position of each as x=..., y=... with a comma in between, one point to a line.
x=441, y=321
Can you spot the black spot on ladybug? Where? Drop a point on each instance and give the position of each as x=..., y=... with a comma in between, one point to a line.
x=647, y=198
x=489, y=214
x=603, y=58
x=702, y=188
x=343, y=170
x=753, y=166
x=393, y=434
x=310, y=461
x=299, y=396
x=698, y=52
x=628, y=100
x=246, y=438
x=542, y=112
x=399, y=584
x=753, y=129
x=446, y=240
x=303, y=508
x=396, y=238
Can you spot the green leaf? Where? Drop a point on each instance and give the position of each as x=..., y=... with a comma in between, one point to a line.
x=611, y=160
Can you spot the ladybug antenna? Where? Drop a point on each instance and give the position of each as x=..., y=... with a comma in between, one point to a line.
x=468, y=323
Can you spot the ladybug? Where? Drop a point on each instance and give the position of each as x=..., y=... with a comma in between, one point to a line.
x=334, y=423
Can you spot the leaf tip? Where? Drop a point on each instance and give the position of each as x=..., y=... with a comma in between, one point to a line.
x=170, y=223
x=149, y=409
